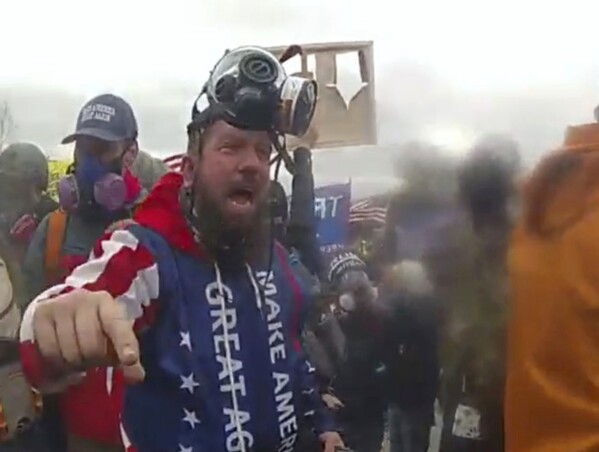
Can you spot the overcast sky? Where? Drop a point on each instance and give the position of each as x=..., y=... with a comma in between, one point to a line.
x=445, y=70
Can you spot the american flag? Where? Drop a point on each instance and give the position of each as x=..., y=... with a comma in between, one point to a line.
x=174, y=162
x=367, y=211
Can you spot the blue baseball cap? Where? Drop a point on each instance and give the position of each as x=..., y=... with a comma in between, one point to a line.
x=106, y=117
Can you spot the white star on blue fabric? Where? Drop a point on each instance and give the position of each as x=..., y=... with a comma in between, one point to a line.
x=189, y=383
x=185, y=339
x=182, y=448
x=190, y=417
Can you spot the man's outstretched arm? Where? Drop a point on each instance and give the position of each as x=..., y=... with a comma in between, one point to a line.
x=89, y=319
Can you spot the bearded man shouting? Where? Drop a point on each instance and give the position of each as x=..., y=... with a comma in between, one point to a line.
x=191, y=298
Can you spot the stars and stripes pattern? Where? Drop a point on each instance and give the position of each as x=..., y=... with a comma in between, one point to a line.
x=119, y=264
x=367, y=211
x=188, y=384
x=125, y=264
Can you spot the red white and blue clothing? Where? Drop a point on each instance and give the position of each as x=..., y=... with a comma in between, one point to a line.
x=224, y=364
x=91, y=409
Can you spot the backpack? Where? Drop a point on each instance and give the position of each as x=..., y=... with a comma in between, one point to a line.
x=55, y=234
x=57, y=225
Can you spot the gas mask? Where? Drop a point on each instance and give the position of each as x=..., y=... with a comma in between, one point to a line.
x=93, y=184
x=249, y=88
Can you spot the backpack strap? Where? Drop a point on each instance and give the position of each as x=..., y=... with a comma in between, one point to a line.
x=57, y=224
x=121, y=224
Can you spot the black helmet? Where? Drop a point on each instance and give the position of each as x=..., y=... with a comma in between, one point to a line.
x=25, y=161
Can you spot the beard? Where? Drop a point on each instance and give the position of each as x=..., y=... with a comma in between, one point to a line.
x=230, y=244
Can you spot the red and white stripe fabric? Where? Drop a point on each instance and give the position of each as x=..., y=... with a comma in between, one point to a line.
x=126, y=441
x=174, y=162
x=118, y=264
x=366, y=211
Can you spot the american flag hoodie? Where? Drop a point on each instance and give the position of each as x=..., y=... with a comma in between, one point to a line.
x=225, y=370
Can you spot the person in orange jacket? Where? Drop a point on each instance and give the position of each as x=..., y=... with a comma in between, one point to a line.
x=552, y=387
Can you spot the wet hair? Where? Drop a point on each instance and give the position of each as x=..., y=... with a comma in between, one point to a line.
x=196, y=137
x=195, y=142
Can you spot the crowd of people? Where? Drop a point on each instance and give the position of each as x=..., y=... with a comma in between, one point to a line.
x=193, y=311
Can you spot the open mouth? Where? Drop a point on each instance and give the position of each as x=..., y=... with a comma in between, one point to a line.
x=242, y=197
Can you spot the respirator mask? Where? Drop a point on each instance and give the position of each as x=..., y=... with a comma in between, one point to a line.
x=249, y=89
x=93, y=185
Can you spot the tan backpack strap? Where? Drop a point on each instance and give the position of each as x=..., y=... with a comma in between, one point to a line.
x=57, y=224
x=121, y=224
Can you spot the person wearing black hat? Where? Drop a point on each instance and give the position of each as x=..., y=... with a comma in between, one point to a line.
x=99, y=191
x=355, y=352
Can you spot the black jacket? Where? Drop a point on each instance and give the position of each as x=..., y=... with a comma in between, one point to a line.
x=411, y=350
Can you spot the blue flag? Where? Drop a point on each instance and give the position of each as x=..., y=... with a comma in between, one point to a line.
x=331, y=205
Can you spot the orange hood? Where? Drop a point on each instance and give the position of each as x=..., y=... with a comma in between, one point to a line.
x=565, y=186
